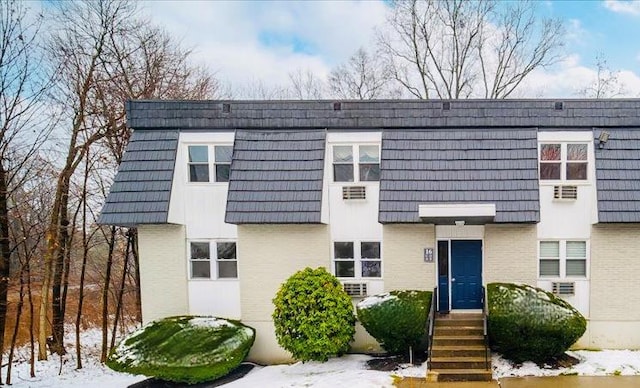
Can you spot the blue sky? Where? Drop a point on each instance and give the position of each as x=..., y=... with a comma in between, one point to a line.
x=247, y=41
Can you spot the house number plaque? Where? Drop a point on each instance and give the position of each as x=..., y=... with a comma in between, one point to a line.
x=428, y=255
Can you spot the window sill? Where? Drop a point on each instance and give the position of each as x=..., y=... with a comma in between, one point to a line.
x=214, y=280
x=567, y=183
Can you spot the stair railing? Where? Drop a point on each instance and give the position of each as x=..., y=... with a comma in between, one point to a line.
x=431, y=325
x=484, y=324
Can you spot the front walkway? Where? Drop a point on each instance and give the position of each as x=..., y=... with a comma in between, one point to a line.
x=532, y=382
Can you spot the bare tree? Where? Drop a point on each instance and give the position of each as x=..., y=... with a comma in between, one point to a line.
x=459, y=49
x=362, y=77
x=305, y=85
x=79, y=47
x=24, y=121
x=606, y=83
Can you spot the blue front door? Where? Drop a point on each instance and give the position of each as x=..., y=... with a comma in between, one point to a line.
x=466, y=274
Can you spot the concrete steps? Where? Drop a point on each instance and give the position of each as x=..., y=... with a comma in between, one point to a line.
x=458, y=351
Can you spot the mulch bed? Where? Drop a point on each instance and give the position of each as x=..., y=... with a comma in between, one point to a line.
x=235, y=374
x=391, y=363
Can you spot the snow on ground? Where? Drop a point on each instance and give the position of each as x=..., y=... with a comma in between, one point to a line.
x=50, y=373
x=347, y=371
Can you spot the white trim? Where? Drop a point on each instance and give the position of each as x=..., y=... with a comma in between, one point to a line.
x=449, y=210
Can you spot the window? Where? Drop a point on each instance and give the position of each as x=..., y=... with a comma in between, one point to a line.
x=200, y=260
x=223, y=162
x=199, y=157
x=563, y=259
x=198, y=163
x=363, y=158
x=227, y=262
x=201, y=264
x=357, y=260
x=563, y=161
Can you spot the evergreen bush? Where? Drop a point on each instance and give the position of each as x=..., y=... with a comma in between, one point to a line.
x=529, y=324
x=397, y=319
x=313, y=316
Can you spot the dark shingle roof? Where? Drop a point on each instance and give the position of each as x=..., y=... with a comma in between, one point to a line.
x=578, y=114
x=459, y=166
x=142, y=188
x=618, y=176
x=276, y=177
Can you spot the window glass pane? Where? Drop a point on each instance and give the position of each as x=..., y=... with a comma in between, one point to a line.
x=549, y=249
x=198, y=173
x=226, y=250
x=200, y=250
x=345, y=269
x=223, y=154
x=549, y=267
x=577, y=249
x=369, y=172
x=549, y=170
x=343, y=250
x=550, y=152
x=369, y=154
x=198, y=154
x=222, y=172
x=201, y=269
x=342, y=154
x=576, y=152
x=577, y=171
x=443, y=258
x=227, y=269
x=371, y=269
x=370, y=250
x=343, y=172
x=576, y=268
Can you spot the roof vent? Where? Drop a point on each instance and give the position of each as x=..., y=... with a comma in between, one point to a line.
x=354, y=192
x=446, y=105
x=565, y=192
x=226, y=108
x=558, y=105
x=337, y=106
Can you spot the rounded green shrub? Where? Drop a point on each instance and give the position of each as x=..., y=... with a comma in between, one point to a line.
x=397, y=319
x=184, y=349
x=529, y=324
x=313, y=316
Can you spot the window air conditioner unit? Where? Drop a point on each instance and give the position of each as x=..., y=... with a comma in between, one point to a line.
x=354, y=192
x=565, y=192
x=355, y=289
x=563, y=288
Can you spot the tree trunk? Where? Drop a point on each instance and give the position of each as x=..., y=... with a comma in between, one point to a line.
x=105, y=295
x=123, y=279
x=133, y=235
x=32, y=353
x=17, y=323
x=5, y=256
x=57, y=345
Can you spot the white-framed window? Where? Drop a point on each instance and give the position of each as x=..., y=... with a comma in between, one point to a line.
x=356, y=163
x=200, y=168
x=357, y=259
x=564, y=161
x=198, y=163
x=562, y=259
x=223, y=266
x=222, y=162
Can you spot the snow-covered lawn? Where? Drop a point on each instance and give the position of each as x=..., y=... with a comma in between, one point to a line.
x=347, y=371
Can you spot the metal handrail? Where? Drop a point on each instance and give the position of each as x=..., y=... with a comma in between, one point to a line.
x=431, y=325
x=484, y=323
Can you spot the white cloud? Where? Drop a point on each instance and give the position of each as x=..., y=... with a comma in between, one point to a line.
x=623, y=6
x=569, y=78
x=576, y=33
x=267, y=40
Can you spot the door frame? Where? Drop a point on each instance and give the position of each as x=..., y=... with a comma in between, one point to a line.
x=449, y=288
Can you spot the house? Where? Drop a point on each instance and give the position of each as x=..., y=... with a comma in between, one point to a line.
x=232, y=197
